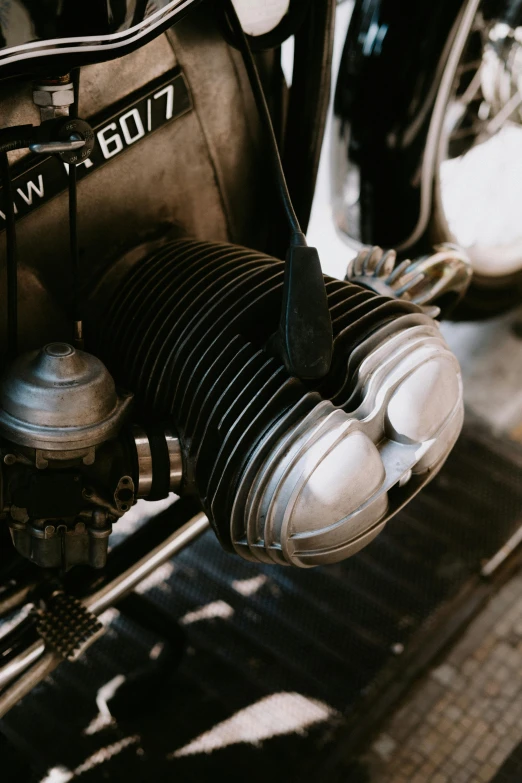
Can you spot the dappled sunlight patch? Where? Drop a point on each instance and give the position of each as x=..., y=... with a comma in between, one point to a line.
x=210, y=611
x=62, y=775
x=247, y=587
x=159, y=578
x=104, y=717
x=272, y=716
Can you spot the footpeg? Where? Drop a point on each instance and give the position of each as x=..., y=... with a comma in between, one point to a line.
x=67, y=627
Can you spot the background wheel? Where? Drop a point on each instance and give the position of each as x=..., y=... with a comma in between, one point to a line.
x=477, y=196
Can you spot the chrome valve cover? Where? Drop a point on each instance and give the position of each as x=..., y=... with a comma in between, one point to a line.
x=329, y=485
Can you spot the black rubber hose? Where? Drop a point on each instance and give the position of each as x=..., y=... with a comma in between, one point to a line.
x=16, y=138
x=304, y=338
x=11, y=259
x=73, y=230
x=73, y=243
x=308, y=105
x=298, y=237
x=11, y=139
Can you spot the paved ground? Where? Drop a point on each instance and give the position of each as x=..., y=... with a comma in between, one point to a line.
x=462, y=722
x=490, y=355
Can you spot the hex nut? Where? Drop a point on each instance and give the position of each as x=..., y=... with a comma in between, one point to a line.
x=56, y=98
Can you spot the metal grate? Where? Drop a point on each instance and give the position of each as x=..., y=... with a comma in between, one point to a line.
x=252, y=632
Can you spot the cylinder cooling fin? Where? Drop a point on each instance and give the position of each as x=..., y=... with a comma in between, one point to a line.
x=289, y=472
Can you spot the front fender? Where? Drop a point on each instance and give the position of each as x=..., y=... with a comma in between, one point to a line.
x=390, y=75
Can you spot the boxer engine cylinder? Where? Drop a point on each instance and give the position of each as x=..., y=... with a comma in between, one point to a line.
x=190, y=395
x=289, y=472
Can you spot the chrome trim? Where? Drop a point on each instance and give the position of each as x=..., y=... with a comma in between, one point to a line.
x=144, y=455
x=326, y=487
x=130, y=579
x=17, y=665
x=54, y=46
x=459, y=36
x=175, y=461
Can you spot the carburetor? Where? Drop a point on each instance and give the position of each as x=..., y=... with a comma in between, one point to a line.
x=69, y=466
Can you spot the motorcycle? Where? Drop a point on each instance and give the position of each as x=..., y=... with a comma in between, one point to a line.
x=169, y=332
x=427, y=126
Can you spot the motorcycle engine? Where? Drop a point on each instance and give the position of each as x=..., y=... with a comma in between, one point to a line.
x=180, y=388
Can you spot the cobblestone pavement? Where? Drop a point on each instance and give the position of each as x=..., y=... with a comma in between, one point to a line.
x=464, y=719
